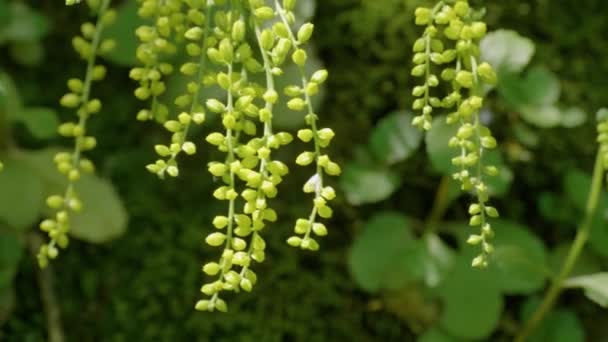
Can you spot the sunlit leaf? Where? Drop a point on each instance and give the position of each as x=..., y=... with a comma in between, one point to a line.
x=394, y=138
x=365, y=184
x=594, y=285
x=506, y=50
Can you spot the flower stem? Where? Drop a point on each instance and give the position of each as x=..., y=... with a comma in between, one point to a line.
x=440, y=205
x=47, y=294
x=581, y=238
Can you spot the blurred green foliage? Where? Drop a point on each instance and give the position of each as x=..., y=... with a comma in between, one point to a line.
x=142, y=286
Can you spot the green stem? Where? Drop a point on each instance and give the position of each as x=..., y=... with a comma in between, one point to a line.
x=440, y=205
x=575, y=250
x=47, y=294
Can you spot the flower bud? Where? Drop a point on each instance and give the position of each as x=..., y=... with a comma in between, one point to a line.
x=305, y=32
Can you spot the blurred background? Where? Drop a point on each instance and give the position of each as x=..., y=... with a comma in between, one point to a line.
x=393, y=267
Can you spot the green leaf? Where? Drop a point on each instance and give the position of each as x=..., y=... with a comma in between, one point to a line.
x=594, y=285
x=519, y=259
x=27, y=53
x=41, y=163
x=123, y=32
x=103, y=217
x=472, y=301
x=506, y=50
x=26, y=24
x=394, y=139
x=533, y=96
x=10, y=100
x=438, y=260
x=21, y=197
x=11, y=251
x=542, y=86
x=437, y=147
x=573, y=117
x=365, y=184
x=541, y=116
x=40, y=121
x=385, y=255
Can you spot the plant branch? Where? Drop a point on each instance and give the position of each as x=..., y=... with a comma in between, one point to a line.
x=440, y=205
x=47, y=294
x=581, y=238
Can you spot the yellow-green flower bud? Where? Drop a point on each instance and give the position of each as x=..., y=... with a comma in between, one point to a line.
x=296, y=104
x=299, y=57
x=465, y=78
x=70, y=100
x=264, y=13
x=215, y=239
x=305, y=32
x=305, y=158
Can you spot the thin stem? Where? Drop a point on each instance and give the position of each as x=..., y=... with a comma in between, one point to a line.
x=47, y=294
x=575, y=250
x=440, y=205
x=311, y=120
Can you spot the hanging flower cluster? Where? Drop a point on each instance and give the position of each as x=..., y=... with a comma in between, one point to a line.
x=450, y=44
x=229, y=43
x=72, y=164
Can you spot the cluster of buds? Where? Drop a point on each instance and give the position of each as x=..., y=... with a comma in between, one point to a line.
x=450, y=43
x=72, y=164
x=215, y=35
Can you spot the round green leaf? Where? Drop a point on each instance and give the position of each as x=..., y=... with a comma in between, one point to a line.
x=10, y=100
x=41, y=122
x=103, y=216
x=26, y=24
x=21, y=194
x=519, y=259
x=573, y=117
x=27, y=53
x=365, y=184
x=506, y=50
x=541, y=116
x=385, y=255
x=394, y=139
x=541, y=86
x=438, y=260
x=472, y=301
x=41, y=163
